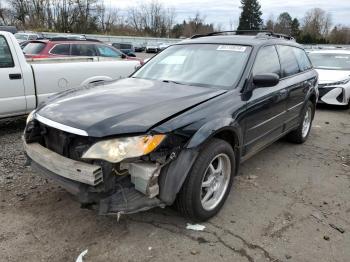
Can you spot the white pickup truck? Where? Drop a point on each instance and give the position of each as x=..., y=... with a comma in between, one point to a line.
x=23, y=85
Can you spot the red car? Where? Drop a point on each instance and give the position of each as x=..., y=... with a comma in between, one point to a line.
x=61, y=47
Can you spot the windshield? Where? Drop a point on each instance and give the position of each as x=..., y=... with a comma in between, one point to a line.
x=33, y=48
x=21, y=36
x=208, y=65
x=332, y=61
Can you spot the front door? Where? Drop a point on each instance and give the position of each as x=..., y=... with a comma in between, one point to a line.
x=12, y=97
x=266, y=107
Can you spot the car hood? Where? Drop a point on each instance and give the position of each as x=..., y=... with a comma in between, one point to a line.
x=125, y=106
x=330, y=76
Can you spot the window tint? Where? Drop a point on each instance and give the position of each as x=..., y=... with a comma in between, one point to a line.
x=303, y=60
x=33, y=48
x=289, y=61
x=5, y=54
x=108, y=52
x=83, y=50
x=267, y=61
x=60, y=49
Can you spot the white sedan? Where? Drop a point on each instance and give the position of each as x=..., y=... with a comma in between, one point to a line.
x=333, y=67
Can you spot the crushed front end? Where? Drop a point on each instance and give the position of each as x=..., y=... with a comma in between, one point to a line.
x=121, y=185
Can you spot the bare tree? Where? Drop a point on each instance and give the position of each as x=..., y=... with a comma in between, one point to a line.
x=317, y=23
x=152, y=18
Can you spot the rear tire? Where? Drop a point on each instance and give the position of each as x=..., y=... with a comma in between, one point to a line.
x=209, y=182
x=301, y=134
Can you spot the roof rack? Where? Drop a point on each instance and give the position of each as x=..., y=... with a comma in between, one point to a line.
x=257, y=33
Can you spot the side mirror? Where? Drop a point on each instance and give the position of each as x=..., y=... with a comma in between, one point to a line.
x=266, y=80
x=123, y=56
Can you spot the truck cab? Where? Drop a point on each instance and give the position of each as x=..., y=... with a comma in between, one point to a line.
x=17, y=90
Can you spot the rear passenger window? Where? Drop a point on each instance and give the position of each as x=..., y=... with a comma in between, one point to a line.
x=289, y=61
x=83, y=50
x=5, y=54
x=267, y=61
x=303, y=60
x=34, y=48
x=60, y=49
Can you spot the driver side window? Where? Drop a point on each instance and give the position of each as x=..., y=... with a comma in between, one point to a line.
x=267, y=61
x=6, y=60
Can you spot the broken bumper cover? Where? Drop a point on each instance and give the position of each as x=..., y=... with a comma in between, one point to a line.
x=81, y=180
x=65, y=167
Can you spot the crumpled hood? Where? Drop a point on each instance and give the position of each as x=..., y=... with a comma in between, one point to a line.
x=125, y=106
x=330, y=76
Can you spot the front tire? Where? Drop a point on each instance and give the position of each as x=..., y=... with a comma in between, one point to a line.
x=301, y=134
x=209, y=182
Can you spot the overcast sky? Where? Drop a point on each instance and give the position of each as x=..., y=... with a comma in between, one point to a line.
x=224, y=11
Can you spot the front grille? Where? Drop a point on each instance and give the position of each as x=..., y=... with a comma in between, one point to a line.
x=65, y=144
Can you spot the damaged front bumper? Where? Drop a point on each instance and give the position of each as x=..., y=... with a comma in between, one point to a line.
x=134, y=190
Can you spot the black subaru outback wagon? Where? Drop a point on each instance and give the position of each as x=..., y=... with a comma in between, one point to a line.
x=175, y=131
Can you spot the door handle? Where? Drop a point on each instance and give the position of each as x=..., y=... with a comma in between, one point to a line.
x=15, y=76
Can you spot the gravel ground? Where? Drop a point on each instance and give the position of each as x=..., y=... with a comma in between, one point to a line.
x=289, y=203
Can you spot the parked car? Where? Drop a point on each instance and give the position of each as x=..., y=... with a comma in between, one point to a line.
x=152, y=48
x=24, y=86
x=61, y=47
x=139, y=47
x=8, y=28
x=175, y=131
x=126, y=48
x=333, y=67
x=22, y=37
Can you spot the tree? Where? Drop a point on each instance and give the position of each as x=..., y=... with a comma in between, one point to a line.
x=270, y=24
x=295, y=28
x=151, y=18
x=250, y=18
x=284, y=24
x=316, y=24
x=340, y=35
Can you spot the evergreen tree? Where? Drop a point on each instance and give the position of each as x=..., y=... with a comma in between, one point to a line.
x=295, y=28
x=250, y=18
x=284, y=24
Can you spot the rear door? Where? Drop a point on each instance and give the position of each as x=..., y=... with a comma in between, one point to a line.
x=12, y=93
x=295, y=63
x=266, y=107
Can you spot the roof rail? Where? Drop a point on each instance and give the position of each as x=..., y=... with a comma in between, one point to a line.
x=72, y=39
x=257, y=33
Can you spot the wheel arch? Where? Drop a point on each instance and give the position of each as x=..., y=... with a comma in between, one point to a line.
x=173, y=175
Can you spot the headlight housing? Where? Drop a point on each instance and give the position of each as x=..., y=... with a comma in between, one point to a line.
x=342, y=82
x=30, y=116
x=118, y=149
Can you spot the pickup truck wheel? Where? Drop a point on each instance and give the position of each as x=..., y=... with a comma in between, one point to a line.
x=208, y=183
x=301, y=134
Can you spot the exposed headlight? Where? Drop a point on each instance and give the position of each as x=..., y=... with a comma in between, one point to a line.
x=30, y=116
x=115, y=150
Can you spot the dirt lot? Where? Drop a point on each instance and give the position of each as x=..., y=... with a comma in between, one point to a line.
x=281, y=208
